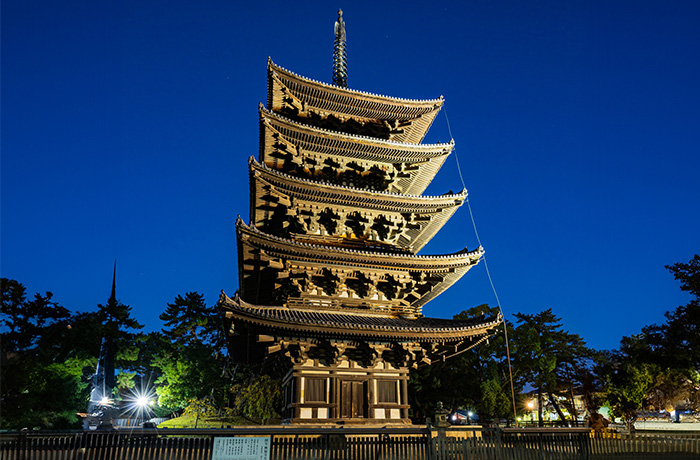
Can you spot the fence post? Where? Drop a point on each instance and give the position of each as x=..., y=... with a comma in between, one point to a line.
x=22, y=445
x=585, y=443
x=498, y=444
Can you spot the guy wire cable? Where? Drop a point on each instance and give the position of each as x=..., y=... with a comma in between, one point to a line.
x=488, y=273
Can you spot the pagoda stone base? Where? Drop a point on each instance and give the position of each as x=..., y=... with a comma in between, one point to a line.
x=346, y=393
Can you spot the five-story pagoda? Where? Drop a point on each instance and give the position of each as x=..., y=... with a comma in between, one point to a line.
x=331, y=286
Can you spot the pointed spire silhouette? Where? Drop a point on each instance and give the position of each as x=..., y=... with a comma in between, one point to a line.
x=340, y=55
x=113, y=297
x=109, y=349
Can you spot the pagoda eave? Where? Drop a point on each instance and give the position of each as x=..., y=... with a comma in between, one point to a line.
x=271, y=267
x=305, y=251
x=366, y=326
x=408, y=119
x=404, y=220
x=395, y=151
x=307, y=150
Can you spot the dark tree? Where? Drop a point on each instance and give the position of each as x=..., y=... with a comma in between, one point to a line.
x=548, y=357
x=659, y=369
x=23, y=321
x=41, y=376
x=477, y=379
x=192, y=363
x=627, y=384
x=688, y=274
x=188, y=321
x=676, y=343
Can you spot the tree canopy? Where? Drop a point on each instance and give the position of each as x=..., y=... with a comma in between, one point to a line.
x=659, y=369
x=42, y=376
x=191, y=360
x=477, y=379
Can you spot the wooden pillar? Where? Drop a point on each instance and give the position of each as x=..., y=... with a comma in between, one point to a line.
x=335, y=394
x=297, y=395
x=404, y=395
x=371, y=397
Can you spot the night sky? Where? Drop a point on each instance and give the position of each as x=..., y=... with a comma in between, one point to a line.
x=126, y=128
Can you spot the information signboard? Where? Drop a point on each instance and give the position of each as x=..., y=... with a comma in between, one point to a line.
x=228, y=448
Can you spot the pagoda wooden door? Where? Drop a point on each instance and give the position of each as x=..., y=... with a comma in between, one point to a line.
x=353, y=399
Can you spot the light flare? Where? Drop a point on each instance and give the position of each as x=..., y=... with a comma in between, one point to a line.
x=139, y=401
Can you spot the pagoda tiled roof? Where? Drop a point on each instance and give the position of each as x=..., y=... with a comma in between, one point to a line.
x=307, y=251
x=438, y=209
x=314, y=141
x=374, y=148
x=347, y=102
x=399, y=199
x=449, y=267
x=329, y=323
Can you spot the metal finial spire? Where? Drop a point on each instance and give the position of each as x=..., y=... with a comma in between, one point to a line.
x=340, y=56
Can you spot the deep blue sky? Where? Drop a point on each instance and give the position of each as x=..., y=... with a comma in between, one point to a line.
x=126, y=127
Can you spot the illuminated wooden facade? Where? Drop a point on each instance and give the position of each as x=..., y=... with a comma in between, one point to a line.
x=332, y=289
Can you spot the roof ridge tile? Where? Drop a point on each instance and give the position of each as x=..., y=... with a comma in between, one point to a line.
x=440, y=100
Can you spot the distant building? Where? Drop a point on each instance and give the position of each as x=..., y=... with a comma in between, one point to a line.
x=550, y=413
x=331, y=288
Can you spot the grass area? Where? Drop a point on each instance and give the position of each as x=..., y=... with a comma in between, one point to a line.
x=188, y=421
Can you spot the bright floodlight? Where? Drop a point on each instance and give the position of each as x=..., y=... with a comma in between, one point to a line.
x=137, y=403
x=471, y=414
x=104, y=401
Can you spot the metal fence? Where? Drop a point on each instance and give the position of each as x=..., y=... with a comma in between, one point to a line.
x=293, y=443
